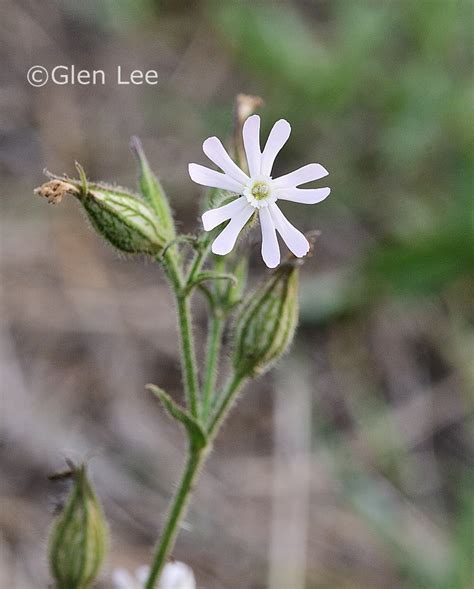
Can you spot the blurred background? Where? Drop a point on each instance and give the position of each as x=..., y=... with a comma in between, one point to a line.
x=349, y=465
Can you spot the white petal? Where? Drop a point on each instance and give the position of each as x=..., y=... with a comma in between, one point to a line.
x=177, y=575
x=294, y=239
x=276, y=140
x=307, y=196
x=121, y=579
x=302, y=175
x=215, y=217
x=206, y=177
x=270, y=247
x=142, y=574
x=216, y=152
x=225, y=242
x=251, y=137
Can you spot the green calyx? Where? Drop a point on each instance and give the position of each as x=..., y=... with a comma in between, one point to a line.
x=265, y=327
x=78, y=538
x=124, y=219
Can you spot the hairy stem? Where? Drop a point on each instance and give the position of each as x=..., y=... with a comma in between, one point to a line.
x=198, y=262
x=224, y=403
x=175, y=515
x=196, y=457
x=188, y=356
x=216, y=329
x=195, y=461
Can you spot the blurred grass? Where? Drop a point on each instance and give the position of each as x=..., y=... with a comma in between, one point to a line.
x=384, y=90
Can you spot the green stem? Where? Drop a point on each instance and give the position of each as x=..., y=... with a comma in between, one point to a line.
x=187, y=353
x=188, y=356
x=224, y=404
x=216, y=329
x=175, y=515
x=195, y=458
x=198, y=262
x=182, y=496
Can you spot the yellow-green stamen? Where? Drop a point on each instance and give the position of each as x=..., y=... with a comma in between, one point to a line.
x=260, y=190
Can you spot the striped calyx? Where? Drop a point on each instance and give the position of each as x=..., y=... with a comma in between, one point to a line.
x=124, y=219
x=265, y=327
x=78, y=538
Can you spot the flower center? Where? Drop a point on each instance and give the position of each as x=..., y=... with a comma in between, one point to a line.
x=260, y=190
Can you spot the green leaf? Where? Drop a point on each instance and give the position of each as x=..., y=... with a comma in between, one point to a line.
x=151, y=189
x=196, y=434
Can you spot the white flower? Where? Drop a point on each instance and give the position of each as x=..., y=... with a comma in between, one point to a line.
x=122, y=579
x=258, y=191
x=175, y=575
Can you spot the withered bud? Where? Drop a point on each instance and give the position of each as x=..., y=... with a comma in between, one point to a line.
x=245, y=105
x=55, y=190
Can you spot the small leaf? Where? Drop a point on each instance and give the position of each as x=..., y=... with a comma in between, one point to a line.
x=197, y=436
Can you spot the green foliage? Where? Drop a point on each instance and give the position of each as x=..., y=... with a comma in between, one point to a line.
x=196, y=435
x=381, y=93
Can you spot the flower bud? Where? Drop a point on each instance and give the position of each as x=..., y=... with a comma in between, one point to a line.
x=152, y=190
x=78, y=539
x=265, y=327
x=122, y=218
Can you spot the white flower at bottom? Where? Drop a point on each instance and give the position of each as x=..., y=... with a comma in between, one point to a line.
x=175, y=575
x=258, y=191
x=122, y=579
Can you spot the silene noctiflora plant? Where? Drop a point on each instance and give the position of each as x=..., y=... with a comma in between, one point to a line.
x=261, y=322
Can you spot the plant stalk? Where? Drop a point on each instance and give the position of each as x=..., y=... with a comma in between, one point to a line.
x=224, y=403
x=175, y=516
x=216, y=329
x=188, y=356
x=196, y=457
x=195, y=461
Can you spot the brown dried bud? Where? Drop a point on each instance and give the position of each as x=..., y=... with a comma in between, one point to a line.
x=55, y=190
